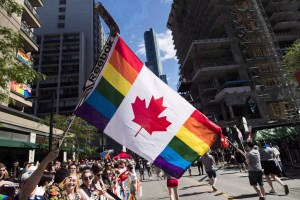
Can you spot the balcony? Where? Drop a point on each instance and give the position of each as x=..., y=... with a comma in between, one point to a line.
x=30, y=39
x=37, y=3
x=233, y=90
x=30, y=15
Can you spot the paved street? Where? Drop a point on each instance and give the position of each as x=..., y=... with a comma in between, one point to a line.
x=231, y=184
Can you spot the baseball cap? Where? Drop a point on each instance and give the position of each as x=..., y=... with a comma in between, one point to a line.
x=28, y=173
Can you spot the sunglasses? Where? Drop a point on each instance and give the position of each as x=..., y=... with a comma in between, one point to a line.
x=99, y=174
x=88, y=178
x=73, y=180
x=72, y=168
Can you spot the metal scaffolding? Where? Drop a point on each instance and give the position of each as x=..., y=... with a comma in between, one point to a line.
x=264, y=59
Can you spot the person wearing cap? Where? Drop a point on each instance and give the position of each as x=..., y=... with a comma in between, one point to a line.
x=56, y=190
x=268, y=163
x=30, y=179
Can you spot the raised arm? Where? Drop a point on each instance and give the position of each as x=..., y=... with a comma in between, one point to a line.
x=31, y=183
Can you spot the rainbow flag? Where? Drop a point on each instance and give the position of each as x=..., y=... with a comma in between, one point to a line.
x=23, y=57
x=4, y=197
x=139, y=111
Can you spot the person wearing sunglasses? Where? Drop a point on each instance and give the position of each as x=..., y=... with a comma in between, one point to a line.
x=99, y=184
x=88, y=188
x=71, y=187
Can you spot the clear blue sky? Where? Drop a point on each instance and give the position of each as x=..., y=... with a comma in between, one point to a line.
x=134, y=17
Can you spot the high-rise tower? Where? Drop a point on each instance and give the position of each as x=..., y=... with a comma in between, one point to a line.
x=152, y=53
x=70, y=42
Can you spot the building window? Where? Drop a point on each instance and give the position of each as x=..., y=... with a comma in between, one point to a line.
x=62, y=2
x=62, y=9
x=61, y=25
x=61, y=17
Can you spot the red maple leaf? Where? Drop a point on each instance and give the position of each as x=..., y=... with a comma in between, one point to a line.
x=148, y=117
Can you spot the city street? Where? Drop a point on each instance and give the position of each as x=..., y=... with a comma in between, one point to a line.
x=231, y=184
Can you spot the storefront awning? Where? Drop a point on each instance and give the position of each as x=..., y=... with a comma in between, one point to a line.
x=18, y=144
x=276, y=133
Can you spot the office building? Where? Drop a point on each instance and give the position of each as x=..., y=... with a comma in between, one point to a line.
x=20, y=133
x=70, y=41
x=152, y=54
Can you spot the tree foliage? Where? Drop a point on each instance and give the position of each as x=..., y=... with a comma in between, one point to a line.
x=10, y=68
x=11, y=6
x=292, y=60
x=81, y=133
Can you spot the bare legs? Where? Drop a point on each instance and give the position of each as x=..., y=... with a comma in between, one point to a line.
x=261, y=191
x=173, y=190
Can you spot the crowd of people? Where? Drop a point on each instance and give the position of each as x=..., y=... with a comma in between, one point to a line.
x=104, y=179
x=256, y=160
x=108, y=178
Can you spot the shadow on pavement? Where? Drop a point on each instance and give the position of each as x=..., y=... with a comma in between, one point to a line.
x=192, y=194
x=193, y=186
x=243, y=196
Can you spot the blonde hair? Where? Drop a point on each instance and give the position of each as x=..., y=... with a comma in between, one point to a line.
x=67, y=180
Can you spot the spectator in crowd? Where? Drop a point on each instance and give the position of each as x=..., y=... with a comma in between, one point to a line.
x=30, y=179
x=255, y=170
x=240, y=159
x=200, y=166
x=269, y=166
x=3, y=172
x=294, y=148
x=88, y=188
x=209, y=165
x=172, y=184
x=44, y=184
x=56, y=190
x=72, y=169
x=71, y=188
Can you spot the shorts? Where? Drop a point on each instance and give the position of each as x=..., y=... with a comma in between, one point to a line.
x=211, y=173
x=256, y=177
x=269, y=167
x=172, y=182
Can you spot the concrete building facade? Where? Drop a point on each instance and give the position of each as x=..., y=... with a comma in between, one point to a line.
x=230, y=56
x=21, y=134
x=70, y=41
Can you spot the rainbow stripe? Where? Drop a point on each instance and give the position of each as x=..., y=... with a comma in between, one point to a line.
x=194, y=138
x=194, y=133
x=119, y=74
x=23, y=57
x=4, y=197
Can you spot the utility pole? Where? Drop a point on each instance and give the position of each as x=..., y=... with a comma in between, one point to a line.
x=51, y=122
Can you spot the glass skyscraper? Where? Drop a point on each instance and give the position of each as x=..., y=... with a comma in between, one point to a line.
x=152, y=54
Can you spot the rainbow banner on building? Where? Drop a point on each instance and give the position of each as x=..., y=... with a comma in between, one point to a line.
x=21, y=89
x=138, y=110
x=23, y=57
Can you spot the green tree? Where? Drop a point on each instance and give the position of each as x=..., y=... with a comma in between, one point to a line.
x=292, y=60
x=10, y=41
x=81, y=134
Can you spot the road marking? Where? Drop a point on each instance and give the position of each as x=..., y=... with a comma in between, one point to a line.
x=141, y=191
x=203, y=184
